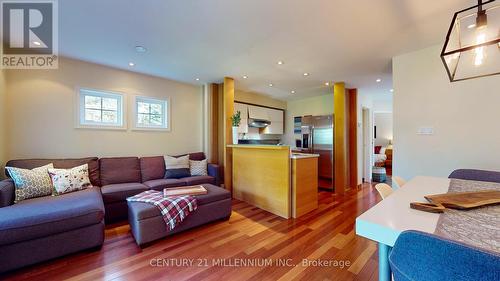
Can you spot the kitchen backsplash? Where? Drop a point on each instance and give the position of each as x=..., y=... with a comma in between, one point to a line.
x=253, y=134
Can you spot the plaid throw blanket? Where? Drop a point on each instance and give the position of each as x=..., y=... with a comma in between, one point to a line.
x=174, y=209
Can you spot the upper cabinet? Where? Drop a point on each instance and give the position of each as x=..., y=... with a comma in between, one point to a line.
x=277, y=123
x=257, y=112
x=263, y=113
x=275, y=115
x=243, y=109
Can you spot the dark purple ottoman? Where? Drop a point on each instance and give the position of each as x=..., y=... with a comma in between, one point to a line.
x=147, y=224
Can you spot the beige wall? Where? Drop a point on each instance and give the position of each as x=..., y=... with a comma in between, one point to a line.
x=41, y=113
x=464, y=116
x=319, y=105
x=259, y=99
x=3, y=123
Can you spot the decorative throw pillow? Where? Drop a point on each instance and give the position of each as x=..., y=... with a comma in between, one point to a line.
x=382, y=150
x=69, y=180
x=198, y=168
x=177, y=168
x=31, y=183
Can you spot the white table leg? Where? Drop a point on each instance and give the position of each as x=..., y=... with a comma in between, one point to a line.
x=384, y=270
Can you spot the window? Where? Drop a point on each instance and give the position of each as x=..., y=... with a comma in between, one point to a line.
x=151, y=113
x=100, y=109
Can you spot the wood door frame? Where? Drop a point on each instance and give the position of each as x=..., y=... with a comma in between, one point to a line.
x=367, y=116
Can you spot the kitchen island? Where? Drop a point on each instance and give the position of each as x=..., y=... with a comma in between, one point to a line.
x=272, y=178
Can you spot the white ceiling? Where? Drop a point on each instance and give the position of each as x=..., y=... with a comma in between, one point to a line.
x=333, y=40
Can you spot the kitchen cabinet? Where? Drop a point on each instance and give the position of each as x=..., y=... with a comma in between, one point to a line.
x=277, y=124
x=275, y=115
x=261, y=113
x=276, y=128
x=257, y=112
x=243, y=109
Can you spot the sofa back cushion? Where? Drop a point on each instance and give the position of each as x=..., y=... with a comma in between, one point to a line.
x=119, y=170
x=197, y=156
x=61, y=164
x=152, y=168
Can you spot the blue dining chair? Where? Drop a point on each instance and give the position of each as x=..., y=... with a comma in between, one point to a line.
x=420, y=256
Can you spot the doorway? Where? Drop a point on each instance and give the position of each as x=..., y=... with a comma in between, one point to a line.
x=367, y=144
x=383, y=135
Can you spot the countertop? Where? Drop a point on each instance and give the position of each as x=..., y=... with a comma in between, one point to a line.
x=303, y=155
x=293, y=155
x=260, y=146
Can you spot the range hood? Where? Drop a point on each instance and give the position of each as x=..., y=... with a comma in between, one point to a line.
x=258, y=123
x=258, y=117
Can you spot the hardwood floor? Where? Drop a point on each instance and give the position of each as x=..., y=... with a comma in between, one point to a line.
x=250, y=235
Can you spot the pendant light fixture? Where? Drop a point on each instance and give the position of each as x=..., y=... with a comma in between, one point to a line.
x=472, y=46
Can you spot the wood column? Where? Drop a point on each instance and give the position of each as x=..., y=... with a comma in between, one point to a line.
x=228, y=108
x=353, y=137
x=213, y=139
x=340, y=135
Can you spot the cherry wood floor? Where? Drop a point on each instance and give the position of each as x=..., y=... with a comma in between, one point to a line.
x=251, y=234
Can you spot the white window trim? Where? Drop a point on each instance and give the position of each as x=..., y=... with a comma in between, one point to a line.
x=166, y=113
x=79, y=113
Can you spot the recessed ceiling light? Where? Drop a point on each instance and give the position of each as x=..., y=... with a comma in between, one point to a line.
x=392, y=90
x=197, y=79
x=293, y=92
x=306, y=74
x=140, y=49
x=471, y=26
x=379, y=80
x=271, y=84
x=280, y=62
x=37, y=43
x=131, y=64
x=245, y=77
x=327, y=83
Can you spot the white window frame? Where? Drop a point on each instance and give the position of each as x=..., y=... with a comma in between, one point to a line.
x=80, y=109
x=165, y=103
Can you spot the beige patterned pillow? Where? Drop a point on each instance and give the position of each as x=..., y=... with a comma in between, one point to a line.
x=31, y=183
x=198, y=168
x=69, y=180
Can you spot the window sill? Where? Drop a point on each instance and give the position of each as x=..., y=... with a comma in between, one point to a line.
x=110, y=128
x=141, y=129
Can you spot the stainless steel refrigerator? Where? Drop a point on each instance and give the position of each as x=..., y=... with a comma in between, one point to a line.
x=317, y=138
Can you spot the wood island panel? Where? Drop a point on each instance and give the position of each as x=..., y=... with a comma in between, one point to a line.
x=261, y=177
x=304, y=186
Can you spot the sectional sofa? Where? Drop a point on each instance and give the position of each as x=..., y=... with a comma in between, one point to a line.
x=43, y=228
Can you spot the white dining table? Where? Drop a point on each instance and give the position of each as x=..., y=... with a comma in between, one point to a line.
x=385, y=221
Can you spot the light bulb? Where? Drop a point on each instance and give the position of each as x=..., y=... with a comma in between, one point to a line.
x=479, y=52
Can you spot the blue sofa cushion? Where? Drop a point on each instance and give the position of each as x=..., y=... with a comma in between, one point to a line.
x=421, y=256
x=177, y=173
x=120, y=191
x=164, y=183
x=44, y=216
x=7, y=192
x=195, y=180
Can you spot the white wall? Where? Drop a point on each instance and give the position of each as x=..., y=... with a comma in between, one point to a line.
x=465, y=117
x=383, y=121
x=41, y=113
x=383, y=104
x=319, y=105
